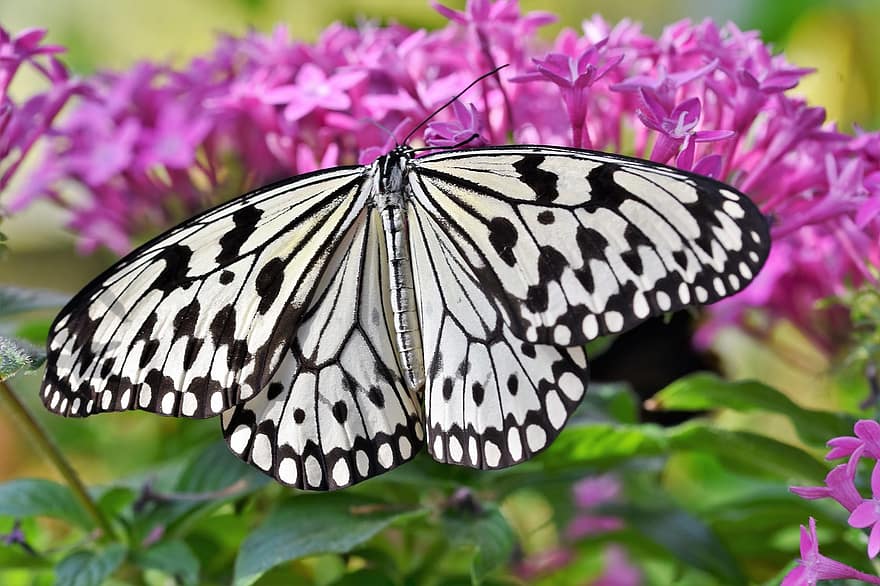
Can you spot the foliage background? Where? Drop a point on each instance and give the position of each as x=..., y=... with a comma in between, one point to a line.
x=835, y=37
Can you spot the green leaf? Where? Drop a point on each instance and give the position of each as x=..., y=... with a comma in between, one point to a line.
x=607, y=403
x=489, y=533
x=703, y=391
x=685, y=536
x=217, y=469
x=365, y=577
x=14, y=557
x=19, y=300
x=749, y=452
x=89, y=568
x=174, y=558
x=603, y=443
x=314, y=524
x=210, y=478
x=30, y=497
x=16, y=355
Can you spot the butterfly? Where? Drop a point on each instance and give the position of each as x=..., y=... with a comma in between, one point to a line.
x=339, y=321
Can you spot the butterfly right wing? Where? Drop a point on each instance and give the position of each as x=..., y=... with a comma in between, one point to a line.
x=337, y=410
x=199, y=318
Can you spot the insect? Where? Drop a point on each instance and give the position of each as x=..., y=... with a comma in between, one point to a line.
x=339, y=321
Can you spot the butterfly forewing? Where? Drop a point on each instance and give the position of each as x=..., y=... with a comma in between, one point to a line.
x=199, y=317
x=337, y=410
x=575, y=244
x=491, y=399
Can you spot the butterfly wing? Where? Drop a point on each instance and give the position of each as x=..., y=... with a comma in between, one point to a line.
x=575, y=244
x=198, y=318
x=337, y=410
x=491, y=400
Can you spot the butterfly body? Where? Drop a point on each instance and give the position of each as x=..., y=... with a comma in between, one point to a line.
x=389, y=197
x=341, y=320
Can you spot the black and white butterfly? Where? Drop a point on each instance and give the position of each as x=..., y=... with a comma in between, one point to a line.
x=339, y=320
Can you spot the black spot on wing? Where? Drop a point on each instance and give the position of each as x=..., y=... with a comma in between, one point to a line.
x=176, y=260
x=376, y=397
x=268, y=283
x=340, y=411
x=590, y=243
x=546, y=217
x=503, y=237
x=543, y=183
x=551, y=264
x=605, y=191
x=245, y=221
x=273, y=390
x=223, y=326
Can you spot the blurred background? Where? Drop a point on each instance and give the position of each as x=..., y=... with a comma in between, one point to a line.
x=837, y=37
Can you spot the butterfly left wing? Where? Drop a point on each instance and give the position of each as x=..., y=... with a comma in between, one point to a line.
x=491, y=400
x=337, y=410
x=198, y=318
x=574, y=244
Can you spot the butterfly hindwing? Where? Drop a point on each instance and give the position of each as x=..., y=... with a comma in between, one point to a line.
x=575, y=244
x=491, y=399
x=199, y=317
x=337, y=410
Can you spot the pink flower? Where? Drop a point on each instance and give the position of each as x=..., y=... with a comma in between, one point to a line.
x=314, y=89
x=574, y=76
x=839, y=486
x=866, y=442
x=618, y=570
x=466, y=126
x=676, y=128
x=814, y=566
x=867, y=514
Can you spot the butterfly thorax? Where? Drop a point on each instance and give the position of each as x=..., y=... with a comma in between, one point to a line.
x=388, y=197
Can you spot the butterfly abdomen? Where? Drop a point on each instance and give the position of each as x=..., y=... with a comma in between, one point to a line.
x=391, y=206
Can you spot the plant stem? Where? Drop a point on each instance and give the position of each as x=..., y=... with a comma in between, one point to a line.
x=39, y=435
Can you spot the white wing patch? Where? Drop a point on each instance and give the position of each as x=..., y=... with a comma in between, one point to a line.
x=575, y=244
x=491, y=399
x=337, y=411
x=196, y=320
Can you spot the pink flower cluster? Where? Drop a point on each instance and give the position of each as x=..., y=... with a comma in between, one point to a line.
x=148, y=145
x=840, y=486
x=23, y=125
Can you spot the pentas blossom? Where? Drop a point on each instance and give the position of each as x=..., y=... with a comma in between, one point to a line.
x=151, y=144
x=867, y=514
x=23, y=125
x=813, y=566
x=840, y=485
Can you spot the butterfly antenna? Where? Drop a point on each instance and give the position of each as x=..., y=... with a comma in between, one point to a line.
x=452, y=99
x=381, y=127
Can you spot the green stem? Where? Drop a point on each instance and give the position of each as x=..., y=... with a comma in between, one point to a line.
x=39, y=435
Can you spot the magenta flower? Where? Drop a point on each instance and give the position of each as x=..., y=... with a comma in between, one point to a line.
x=314, y=89
x=23, y=125
x=590, y=493
x=467, y=125
x=677, y=129
x=813, y=566
x=839, y=486
x=618, y=570
x=574, y=76
x=867, y=514
x=866, y=442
